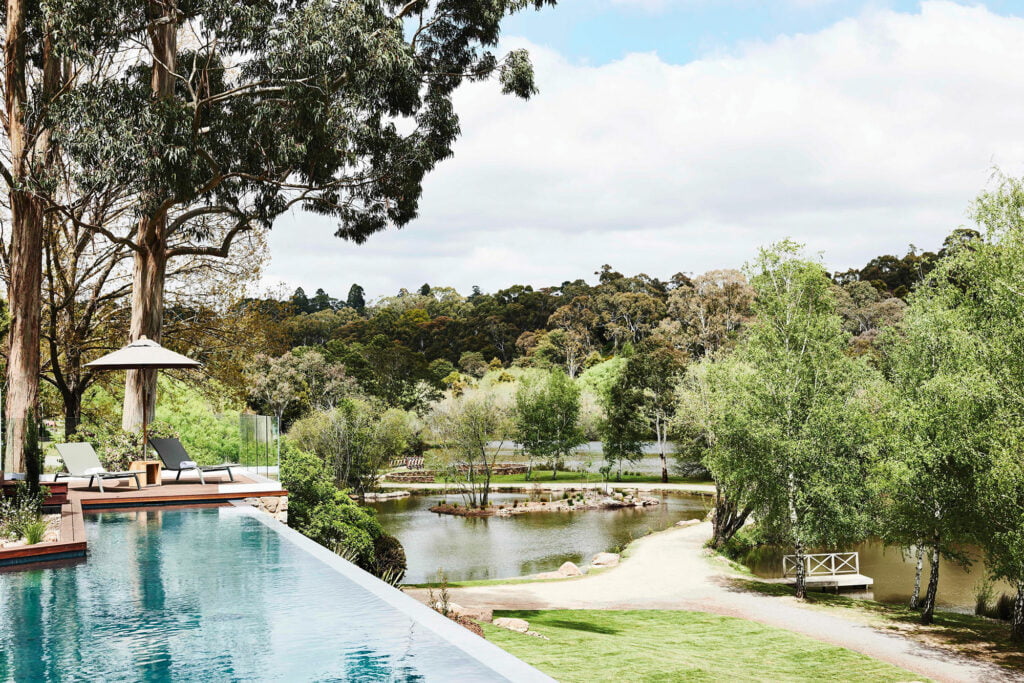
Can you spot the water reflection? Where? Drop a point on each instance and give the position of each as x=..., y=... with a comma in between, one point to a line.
x=501, y=547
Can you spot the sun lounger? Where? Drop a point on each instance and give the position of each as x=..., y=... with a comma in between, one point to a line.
x=176, y=459
x=81, y=461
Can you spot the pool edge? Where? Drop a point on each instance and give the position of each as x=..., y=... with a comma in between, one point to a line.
x=483, y=651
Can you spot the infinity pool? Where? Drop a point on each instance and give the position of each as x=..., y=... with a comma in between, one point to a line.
x=224, y=594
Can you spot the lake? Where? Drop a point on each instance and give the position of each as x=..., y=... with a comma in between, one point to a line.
x=894, y=575
x=502, y=547
x=469, y=548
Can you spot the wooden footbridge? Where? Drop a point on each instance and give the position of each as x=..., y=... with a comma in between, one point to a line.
x=827, y=570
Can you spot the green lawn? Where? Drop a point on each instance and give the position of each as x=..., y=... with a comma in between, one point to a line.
x=661, y=645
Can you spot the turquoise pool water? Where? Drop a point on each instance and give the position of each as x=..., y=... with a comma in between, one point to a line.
x=217, y=594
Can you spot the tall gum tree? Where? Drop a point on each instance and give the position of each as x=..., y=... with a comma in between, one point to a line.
x=247, y=110
x=32, y=77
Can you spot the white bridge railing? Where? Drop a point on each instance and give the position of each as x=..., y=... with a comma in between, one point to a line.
x=823, y=564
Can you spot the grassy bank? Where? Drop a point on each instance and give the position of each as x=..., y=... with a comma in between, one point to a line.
x=660, y=645
x=977, y=637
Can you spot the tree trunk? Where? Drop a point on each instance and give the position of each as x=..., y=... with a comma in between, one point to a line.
x=151, y=237
x=26, y=249
x=915, y=597
x=660, y=429
x=801, y=572
x=1017, y=625
x=147, y=319
x=928, y=609
x=727, y=520
x=794, y=520
x=72, y=412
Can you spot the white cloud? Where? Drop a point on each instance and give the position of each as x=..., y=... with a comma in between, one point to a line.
x=869, y=135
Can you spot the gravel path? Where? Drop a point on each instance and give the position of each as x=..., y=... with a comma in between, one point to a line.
x=671, y=570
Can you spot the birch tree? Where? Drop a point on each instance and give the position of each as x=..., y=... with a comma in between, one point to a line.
x=791, y=432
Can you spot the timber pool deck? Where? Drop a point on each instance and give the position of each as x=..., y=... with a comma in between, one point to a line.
x=121, y=494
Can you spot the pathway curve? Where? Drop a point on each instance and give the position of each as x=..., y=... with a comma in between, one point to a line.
x=671, y=570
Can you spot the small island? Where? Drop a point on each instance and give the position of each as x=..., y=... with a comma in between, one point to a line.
x=579, y=501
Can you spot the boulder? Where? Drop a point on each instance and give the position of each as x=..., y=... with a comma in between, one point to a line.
x=476, y=613
x=688, y=522
x=517, y=625
x=569, y=569
x=605, y=560
x=549, y=575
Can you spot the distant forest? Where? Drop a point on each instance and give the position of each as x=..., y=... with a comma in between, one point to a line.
x=396, y=345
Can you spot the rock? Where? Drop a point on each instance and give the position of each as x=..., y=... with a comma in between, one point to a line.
x=537, y=635
x=549, y=575
x=688, y=522
x=569, y=569
x=476, y=613
x=517, y=625
x=605, y=560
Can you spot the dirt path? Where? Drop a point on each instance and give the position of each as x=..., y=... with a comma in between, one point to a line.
x=671, y=570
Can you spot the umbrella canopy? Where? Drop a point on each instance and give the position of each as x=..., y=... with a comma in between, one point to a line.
x=143, y=354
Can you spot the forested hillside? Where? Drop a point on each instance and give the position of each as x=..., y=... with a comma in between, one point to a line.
x=406, y=348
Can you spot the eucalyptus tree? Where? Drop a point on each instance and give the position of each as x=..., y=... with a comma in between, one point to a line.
x=789, y=434
x=243, y=111
x=547, y=419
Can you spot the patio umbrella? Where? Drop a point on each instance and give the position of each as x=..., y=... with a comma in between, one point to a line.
x=144, y=354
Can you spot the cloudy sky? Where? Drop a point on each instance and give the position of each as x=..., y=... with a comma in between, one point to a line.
x=680, y=135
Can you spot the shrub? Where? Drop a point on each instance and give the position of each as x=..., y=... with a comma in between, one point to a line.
x=22, y=509
x=982, y=596
x=740, y=545
x=319, y=510
x=389, y=563
x=35, y=531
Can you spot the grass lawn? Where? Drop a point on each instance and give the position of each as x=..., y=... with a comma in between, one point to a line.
x=662, y=645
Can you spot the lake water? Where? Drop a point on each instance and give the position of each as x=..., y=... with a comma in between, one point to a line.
x=894, y=575
x=502, y=547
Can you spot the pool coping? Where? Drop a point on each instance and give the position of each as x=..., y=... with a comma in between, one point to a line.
x=486, y=653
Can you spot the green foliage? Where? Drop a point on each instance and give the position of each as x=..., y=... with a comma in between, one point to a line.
x=117, y=448
x=471, y=429
x=790, y=413
x=319, y=510
x=547, y=417
x=388, y=559
x=210, y=433
x=357, y=439
x=35, y=530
